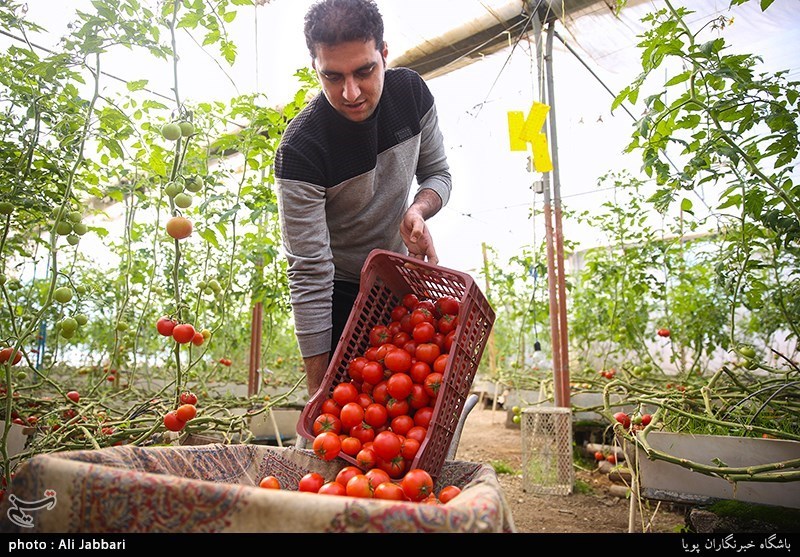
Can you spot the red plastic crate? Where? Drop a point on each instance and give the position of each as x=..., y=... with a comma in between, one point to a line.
x=385, y=278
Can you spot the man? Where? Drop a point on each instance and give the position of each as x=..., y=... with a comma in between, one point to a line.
x=344, y=171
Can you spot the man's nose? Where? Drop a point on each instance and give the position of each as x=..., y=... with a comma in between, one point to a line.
x=351, y=89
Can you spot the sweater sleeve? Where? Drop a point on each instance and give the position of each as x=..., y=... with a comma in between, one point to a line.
x=301, y=206
x=433, y=172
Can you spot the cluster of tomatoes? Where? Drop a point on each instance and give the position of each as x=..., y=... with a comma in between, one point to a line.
x=225, y=361
x=416, y=485
x=182, y=333
x=175, y=420
x=663, y=333
x=635, y=422
x=608, y=373
x=380, y=417
x=610, y=457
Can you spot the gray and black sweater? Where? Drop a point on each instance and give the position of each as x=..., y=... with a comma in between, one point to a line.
x=343, y=188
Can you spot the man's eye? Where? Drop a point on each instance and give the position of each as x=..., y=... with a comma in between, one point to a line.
x=363, y=74
x=332, y=78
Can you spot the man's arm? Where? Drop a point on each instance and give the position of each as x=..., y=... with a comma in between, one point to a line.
x=316, y=366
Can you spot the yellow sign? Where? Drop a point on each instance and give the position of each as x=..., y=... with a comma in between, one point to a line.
x=523, y=131
x=516, y=120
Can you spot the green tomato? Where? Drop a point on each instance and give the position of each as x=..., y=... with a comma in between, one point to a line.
x=69, y=324
x=171, y=131
x=747, y=351
x=80, y=289
x=183, y=200
x=63, y=294
x=122, y=326
x=82, y=319
x=173, y=188
x=67, y=334
x=63, y=228
x=194, y=184
x=6, y=207
x=73, y=239
x=74, y=216
x=516, y=419
x=79, y=228
x=187, y=128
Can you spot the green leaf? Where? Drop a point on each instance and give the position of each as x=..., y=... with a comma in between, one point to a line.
x=680, y=78
x=137, y=85
x=766, y=4
x=209, y=236
x=686, y=205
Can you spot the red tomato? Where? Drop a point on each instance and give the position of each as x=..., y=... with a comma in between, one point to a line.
x=418, y=397
x=446, y=324
x=364, y=399
x=396, y=407
x=598, y=456
x=270, y=482
x=387, y=445
x=327, y=422
x=377, y=477
x=188, y=397
x=5, y=355
x=423, y=416
x=165, y=325
x=74, y=396
x=390, y=490
x=351, y=415
x=373, y=372
x=447, y=305
x=421, y=315
x=355, y=368
x=419, y=371
x=380, y=392
x=359, y=486
x=399, y=385
x=376, y=415
x=427, y=305
x=394, y=467
x=366, y=459
x=351, y=446
x=410, y=300
x=330, y=406
x=398, y=361
x=311, y=482
x=428, y=352
x=172, y=422
x=398, y=312
x=417, y=432
x=379, y=334
x=363, y=433
x=344, y=475
x=186, y=412
x=405, y=324
x=448, y=341
x=394, y=328
x=432, y=384
x=623, y=418
x=327, y=445
x=344, y=393
x=198, y=339
x=183, y=333
x=417, y=484
x=401, y=424
x=401, y=339
x=410, y=448
x=440, y=363
x=423, y=332
x=612, y=459
x=646, y=419
x=332, y=488
x=448, y=492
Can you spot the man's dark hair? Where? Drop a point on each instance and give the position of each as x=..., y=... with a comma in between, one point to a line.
x=330, y=22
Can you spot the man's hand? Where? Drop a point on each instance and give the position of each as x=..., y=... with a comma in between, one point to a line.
x=316, y=366
x=414, y=232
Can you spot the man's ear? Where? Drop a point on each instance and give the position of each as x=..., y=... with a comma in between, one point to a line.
x=385, y=51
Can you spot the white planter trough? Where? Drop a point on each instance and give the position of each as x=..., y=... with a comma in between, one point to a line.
x=666, y=481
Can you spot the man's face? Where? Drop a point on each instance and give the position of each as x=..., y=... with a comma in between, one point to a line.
x=352, y=75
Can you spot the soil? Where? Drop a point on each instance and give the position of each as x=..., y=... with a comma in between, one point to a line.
x=596, y=505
